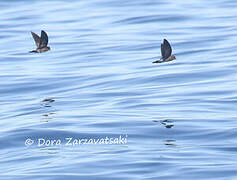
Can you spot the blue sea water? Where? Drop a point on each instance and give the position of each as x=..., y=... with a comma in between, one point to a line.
x=174, y=120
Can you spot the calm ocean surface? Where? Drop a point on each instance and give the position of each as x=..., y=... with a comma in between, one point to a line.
x=175, y=120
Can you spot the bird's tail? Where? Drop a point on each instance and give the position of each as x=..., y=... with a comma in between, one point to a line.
x=158, y=61
x=33, y=51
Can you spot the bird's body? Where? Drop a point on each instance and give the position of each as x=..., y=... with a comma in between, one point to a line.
x=41, y=42
x=40, y=50
x=166, y=52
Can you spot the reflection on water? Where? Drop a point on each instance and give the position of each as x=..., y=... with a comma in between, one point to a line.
x=170, y=142
x=167, y=123
x=48, y=110
x=49, y=116
x=98, y=80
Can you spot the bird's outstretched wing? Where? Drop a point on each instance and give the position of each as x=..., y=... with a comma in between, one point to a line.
x=162, y=50
x=166, y=49
x=43, y=39
x=37, y=39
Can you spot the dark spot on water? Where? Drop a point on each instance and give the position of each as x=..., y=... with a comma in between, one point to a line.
x=170, y=142
x=167, y=123
x=48, y=100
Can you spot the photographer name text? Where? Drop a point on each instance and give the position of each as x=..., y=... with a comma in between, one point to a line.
x=70, y=141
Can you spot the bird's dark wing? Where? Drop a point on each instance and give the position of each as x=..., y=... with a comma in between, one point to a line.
x=43, y=39
x=167, y=50
x=36, y=38
x=162, y=50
